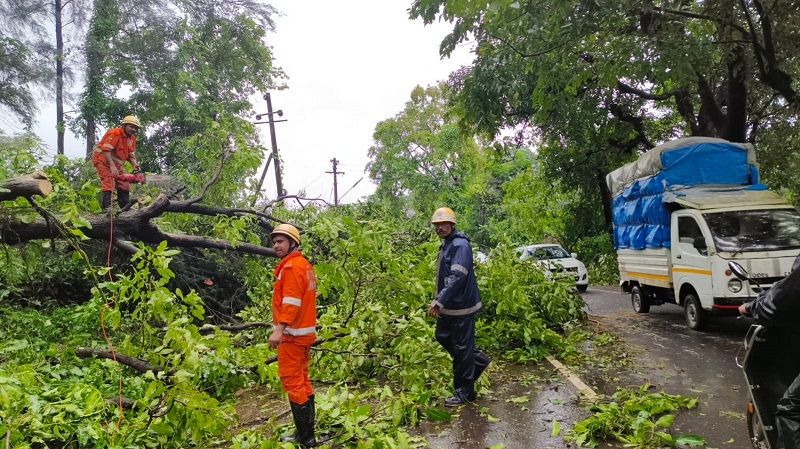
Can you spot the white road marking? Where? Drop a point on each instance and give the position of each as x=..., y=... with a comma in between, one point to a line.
x=575, y=380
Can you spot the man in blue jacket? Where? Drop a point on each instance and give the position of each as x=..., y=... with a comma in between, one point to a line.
x=456, y=302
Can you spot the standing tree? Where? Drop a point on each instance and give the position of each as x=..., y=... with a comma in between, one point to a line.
x=31, y=19
x=421, y=160
x=20, y=72
x=603, y=82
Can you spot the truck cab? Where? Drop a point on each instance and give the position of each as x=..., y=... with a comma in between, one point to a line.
x=763, y=236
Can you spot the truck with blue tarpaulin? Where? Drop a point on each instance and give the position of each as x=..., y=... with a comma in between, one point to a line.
x=685, y=208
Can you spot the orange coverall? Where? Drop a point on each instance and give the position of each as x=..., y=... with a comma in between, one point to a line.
x=294, y=303
x=121, y=148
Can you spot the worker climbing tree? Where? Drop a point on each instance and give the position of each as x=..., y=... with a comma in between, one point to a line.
x=117, y=146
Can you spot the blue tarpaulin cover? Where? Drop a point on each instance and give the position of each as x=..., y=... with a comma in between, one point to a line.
x=641, y=218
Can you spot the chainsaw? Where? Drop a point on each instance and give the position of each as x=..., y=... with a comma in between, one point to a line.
x=142, y=178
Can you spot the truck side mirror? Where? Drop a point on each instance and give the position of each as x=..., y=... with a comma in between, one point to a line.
x=700, y=243
x=738, y=270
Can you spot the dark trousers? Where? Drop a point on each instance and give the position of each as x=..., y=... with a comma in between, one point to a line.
x=456, y=334
x=787, y=417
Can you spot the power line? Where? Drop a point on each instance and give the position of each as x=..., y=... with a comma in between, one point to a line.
x=351, y=188
x=312, y=182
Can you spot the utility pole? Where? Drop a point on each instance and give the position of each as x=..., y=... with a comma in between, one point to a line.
x=335, y=184
x=274, y=156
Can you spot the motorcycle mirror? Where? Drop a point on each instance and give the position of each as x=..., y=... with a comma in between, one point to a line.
x=738, y=270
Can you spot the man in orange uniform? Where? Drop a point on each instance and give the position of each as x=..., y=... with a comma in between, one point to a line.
x=117, y=146
x=294, y=317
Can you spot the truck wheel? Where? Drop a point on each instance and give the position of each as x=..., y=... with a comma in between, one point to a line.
x=640, y=302
x=696, y=317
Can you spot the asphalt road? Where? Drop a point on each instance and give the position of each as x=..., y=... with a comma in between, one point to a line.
x=678, y=360
x=661, y=351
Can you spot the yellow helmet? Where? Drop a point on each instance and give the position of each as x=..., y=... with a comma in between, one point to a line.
x=443, y=215
x=287, y=230
x=131, y=120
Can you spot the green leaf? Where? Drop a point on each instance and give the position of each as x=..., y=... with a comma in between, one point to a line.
x=665, y=421
x=161, y=428
x=439, y=415
x=689, y=440
x=556, y=429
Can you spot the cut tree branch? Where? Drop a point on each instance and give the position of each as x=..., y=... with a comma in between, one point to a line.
x=132, y=362
x=205, y=330
x=35, y=183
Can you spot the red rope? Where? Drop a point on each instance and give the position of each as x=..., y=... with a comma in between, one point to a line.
x=109, y=304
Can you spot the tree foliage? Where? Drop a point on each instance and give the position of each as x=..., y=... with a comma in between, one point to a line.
x=20, y=71
x=422, y=159
x=376, y=278
x=600, y=83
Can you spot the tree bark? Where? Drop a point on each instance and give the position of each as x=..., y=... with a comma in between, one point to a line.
x=26, y=186
x=137, y=364
x=135, y=224
x=736, y=123
x=205, y=330
x=605, y=194
x=91, y=138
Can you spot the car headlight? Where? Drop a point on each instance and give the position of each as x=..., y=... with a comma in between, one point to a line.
x=735, y=285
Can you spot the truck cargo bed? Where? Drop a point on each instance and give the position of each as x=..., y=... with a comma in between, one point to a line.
x=645, y=266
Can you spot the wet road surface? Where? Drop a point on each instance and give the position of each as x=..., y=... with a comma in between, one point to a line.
x=678, y=360
x=518, y=411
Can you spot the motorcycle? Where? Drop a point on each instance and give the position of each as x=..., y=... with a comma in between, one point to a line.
x=770, y=365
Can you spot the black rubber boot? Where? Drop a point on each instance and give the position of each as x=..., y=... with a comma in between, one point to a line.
x=304, y=420
x=482, y=361
x=105, y=201
x=123, y=198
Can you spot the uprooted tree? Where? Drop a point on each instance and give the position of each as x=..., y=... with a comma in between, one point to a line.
x=134, y=224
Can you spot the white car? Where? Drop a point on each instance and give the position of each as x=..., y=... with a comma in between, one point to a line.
x=557, y=260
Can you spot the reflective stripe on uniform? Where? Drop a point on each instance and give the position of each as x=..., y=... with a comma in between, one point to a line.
x=300, y=331
x=114, y=158
x=456, y=312
x=292, y=301
x=460, y=269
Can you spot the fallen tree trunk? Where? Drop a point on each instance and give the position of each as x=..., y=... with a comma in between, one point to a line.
x=135, y=225
x=35, y=183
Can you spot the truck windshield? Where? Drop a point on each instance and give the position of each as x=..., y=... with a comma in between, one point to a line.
x=755, y=230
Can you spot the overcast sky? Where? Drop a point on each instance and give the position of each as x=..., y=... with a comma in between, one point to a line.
x=351, y=64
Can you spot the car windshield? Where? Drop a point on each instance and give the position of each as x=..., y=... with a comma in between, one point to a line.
x=548, y=252
x=755, y=230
